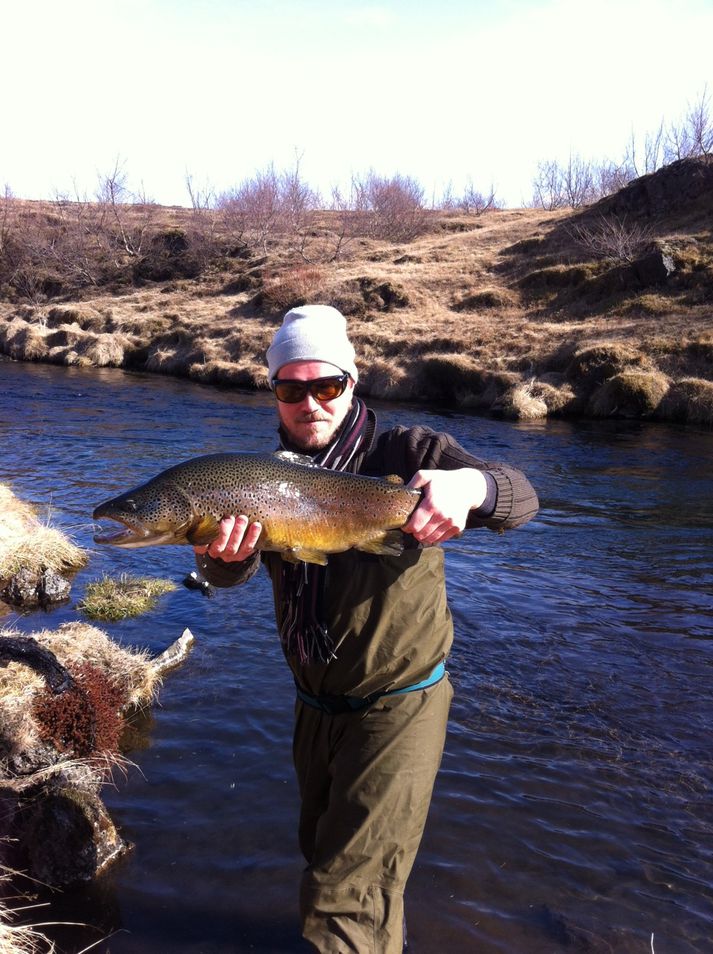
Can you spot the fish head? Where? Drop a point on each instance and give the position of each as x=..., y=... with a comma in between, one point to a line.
x=154, y=513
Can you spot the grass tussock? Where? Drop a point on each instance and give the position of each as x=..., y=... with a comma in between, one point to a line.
x=124, y=597
x=520, y=404
x=591, y=366
x=689, y=400
x=630, y=394
x=461, y=380
x=27, y=542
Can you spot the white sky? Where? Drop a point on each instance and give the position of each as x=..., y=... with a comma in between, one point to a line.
x=442, y=90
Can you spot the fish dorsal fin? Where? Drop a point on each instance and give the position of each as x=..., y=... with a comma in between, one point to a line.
x=394, y=479
x=291, y=458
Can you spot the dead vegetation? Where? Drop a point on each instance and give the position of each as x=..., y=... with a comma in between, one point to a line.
x=16, y=938
x=485, y=311
x=75, y=645
x=28, y=542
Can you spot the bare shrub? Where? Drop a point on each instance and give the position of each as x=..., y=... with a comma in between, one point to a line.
x=474, y=202
x=612, y=238
x=578, y=182
x=268, y=204
x=391, y=209
x=471, y=202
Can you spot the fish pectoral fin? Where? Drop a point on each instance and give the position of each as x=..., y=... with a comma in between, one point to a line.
x=305, y=555
x=389, y=542
x=202, y=532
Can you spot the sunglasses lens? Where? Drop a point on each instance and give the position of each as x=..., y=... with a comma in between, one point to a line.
x=290, y=392
x=328, y=389
x=321, y=389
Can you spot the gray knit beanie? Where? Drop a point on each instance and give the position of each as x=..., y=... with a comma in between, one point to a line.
x=312, y=333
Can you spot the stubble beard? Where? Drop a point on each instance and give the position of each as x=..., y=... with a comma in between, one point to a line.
x=312, y=440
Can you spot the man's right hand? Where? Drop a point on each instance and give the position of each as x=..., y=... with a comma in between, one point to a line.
x=236, y=540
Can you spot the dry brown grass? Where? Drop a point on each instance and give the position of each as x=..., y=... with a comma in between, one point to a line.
x=630, y=394
x=17, y=938
x=689, y=400
x=25, y=541
x=504, y=292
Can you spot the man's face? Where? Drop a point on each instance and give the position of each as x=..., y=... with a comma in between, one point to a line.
x=311, y=424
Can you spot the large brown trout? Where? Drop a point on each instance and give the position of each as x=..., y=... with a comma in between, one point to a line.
x=306, y=511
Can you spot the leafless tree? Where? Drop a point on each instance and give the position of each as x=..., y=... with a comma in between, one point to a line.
x=475, y=202
x=7, y=200
x=609, y=177
x=298, y=202
x=693, y=135
x=204, y=219
x=578, y=182
x=113, y=197
x=647, y=157
x=548, y=186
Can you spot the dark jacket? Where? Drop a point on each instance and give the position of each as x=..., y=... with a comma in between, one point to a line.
x=388, y=615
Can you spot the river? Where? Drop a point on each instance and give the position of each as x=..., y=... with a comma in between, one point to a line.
x=573, y=809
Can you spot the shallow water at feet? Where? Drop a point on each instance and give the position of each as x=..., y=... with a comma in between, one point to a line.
x=573, y=809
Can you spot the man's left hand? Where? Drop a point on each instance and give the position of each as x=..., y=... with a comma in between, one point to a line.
x=448, y=495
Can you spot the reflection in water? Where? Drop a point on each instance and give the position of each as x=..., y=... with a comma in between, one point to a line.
x=572, y=812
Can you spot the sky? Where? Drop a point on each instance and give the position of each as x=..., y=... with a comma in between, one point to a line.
x=449, y=92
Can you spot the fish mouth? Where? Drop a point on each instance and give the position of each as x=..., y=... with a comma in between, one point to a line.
x=128, y=536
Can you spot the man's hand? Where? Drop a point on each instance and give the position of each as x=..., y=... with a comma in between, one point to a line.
x=448, y=495
x=236, y=540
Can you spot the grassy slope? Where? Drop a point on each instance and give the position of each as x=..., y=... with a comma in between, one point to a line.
x=504, y=312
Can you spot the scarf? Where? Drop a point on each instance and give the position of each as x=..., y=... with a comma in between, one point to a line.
x=303, y=632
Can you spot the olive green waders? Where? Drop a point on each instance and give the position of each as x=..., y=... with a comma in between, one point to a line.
x=365, y=780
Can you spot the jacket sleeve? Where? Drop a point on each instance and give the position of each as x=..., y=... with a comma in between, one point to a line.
x=511, y=499
x=221, y=574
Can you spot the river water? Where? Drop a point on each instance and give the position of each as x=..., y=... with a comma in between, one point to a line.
x=573, y=809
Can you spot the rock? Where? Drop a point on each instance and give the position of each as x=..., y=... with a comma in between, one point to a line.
x=22, y=589
x=30, y=588
x=68, y=836
x=654, y=268
x=52, y=588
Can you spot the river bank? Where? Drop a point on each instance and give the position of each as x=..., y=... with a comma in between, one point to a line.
x=523, y=313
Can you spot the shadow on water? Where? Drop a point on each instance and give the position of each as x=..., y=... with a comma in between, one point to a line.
x=572, y=811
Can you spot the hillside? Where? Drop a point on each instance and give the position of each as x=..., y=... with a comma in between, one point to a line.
x=602, y=312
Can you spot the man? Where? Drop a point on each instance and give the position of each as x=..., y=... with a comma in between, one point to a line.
x=366, y=637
